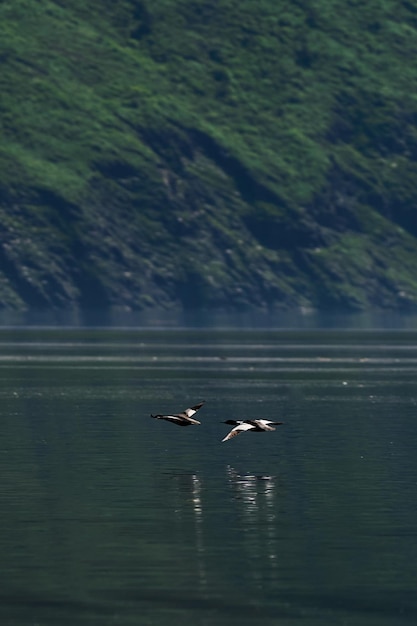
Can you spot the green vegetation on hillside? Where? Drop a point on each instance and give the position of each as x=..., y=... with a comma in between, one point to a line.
x=208, y=153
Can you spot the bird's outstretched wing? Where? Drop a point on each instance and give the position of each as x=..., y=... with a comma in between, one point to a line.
x=190, y=412
x=237, y=430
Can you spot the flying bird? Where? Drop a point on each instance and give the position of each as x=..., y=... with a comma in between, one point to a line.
x=182, y=419
x=256, y=426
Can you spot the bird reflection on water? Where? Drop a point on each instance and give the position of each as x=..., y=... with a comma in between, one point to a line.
x=250, y=500
x=256, y=497
x=248, y=487
x=190, y=485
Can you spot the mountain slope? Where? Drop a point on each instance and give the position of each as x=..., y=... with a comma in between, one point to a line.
x=223, y=153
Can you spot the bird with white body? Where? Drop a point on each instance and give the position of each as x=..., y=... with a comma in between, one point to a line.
x=256, y=426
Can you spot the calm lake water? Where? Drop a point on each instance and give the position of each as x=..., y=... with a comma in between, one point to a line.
x=110, y=517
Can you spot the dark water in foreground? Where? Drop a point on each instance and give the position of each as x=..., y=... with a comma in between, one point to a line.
x=110, y=517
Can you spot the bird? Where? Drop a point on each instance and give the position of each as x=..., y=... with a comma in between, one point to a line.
x=256, y=426
x=182, y=419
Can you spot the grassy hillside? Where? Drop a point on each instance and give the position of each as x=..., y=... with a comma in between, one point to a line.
x=208, y=153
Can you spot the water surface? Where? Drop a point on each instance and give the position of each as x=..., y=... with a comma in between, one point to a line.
x=110, y=517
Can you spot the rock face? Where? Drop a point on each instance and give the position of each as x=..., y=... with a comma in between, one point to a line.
x=217, y=154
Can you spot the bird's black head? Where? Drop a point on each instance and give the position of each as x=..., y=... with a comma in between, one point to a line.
x=231, y=422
